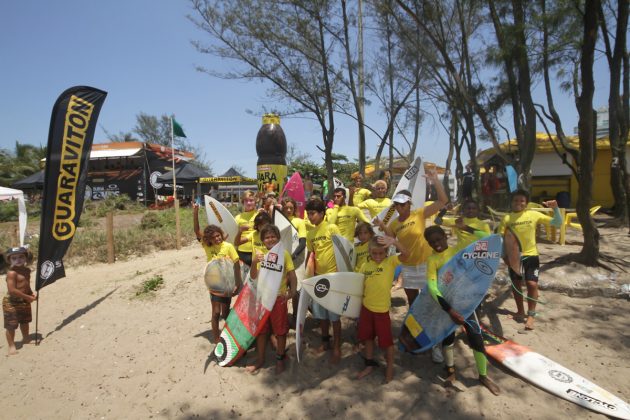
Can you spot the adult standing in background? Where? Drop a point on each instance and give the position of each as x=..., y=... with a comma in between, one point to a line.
x=379, y=200
x=358, y=194
x=308, y=185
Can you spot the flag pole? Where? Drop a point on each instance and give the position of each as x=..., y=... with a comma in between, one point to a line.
x=178, y=233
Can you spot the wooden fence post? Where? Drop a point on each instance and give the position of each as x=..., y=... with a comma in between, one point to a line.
x=109, y=229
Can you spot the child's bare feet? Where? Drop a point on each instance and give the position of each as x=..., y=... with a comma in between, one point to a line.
x=518, y=317
x=492, y=387
x=370, y=364
x=389, y=374
x=27, y=340
x=280, y=363
x=253, y=368
x=529, y=324
x=325, y=346
x=12, y=351
x=335, y=357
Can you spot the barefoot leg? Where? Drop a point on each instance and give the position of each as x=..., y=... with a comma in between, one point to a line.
x=11, y=342
x=389, y=370
x=26, y=337
x=369, y=359
x=336, y=348
x=261, y=344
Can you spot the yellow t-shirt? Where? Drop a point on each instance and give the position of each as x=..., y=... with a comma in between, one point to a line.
x=465, y=238
x=223, y=250
x=246, y=218
x=434, y=263
x=257, y=244
x=360, y=195
x=361, y=251
x=410, y=234
x=523, y=224
x=319, y=241
x=378, y=283
x=375, y=205
x=346, y=218
x=288, y=267
x=298, y=224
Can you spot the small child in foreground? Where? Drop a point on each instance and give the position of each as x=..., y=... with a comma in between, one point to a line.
x=215, y=246
x=16, y=305
x=374, y=321
x=279, y=318
x=436, y=238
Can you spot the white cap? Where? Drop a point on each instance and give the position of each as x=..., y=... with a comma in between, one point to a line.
x=401, y=198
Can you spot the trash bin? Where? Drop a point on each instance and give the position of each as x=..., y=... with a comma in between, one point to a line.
x=564, y=199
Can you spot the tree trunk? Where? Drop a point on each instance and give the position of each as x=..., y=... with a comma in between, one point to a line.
x=590, y=251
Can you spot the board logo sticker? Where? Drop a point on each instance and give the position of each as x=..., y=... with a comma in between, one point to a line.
x=216, y=212
x=411, y=172
x=483, y=267
x=345, y=304
x=322, y=287
x=591, y=400
x=560, y=376
x=221, y=350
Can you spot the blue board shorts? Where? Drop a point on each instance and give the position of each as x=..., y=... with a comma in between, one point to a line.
x=319, y=312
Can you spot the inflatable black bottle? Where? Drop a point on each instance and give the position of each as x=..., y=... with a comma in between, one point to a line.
x=271, y=148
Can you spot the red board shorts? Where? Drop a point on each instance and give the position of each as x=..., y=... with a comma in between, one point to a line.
x=375, y=324
x=16, y=311
x=278, y=319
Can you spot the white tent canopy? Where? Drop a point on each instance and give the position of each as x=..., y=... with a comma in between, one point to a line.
x=11, y=194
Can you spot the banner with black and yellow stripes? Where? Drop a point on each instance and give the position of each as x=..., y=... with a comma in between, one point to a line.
x=72, y=126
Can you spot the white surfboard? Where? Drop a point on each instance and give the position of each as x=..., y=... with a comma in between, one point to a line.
x=270, y=276
x=344, y=253
x=341, y=293
x=218, y=215
x=219, y=275
x=288, y=233
x=412, y=180
x=553, y=377
x=300, y=318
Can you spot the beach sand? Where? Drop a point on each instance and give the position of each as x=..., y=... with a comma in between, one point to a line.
x=107, y=354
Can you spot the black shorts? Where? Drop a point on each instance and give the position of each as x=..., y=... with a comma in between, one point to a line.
x=246, y=257
x=221, y=299
x=529, y=268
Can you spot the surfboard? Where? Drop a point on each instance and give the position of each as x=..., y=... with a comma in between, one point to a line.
x=300, y=318
x=412, y=180
x=463, y=282
x=252, y=309
x=341, y=292
x=294, y=188
x=219, y=275
x=288, y=233
x=553, y=377
x=218, y=215
x=344, y=253
x=511, y=251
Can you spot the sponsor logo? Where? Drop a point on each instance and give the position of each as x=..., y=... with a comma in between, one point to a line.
x=411, y=172
x=153, y=180
x=481, y=246
x=591, y=400
x=215, y=210
x=272, y=257
x=483, y=267
x=322, y=287
x=47, y=270
x=480, y=255
x=345, y=304
x=78, y=116
x=560, y=376
x=447, y=277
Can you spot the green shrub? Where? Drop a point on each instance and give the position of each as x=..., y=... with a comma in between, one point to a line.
x=150, y=285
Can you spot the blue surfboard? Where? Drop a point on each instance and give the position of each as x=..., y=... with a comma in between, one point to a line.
x=463, y=281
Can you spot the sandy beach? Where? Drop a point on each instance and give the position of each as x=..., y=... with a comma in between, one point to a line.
x=107, y=354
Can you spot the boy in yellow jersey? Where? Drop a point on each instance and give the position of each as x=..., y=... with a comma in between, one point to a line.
x=245, y=221
x=379, y=200
x=319, y=242
x=522, y=223
x=278, y=321
x=213, y=242
x=462, y=225
x=358, y=194
x=374, y=321
x=344, y=216
x=436, y=238
x=363, y=233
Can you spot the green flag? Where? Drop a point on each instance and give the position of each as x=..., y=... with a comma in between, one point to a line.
x=177, y=129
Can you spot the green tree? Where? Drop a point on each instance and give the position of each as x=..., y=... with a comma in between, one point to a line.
x=23, y=161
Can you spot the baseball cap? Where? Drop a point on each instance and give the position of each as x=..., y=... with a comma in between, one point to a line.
x=16, y=250
x=401, y=198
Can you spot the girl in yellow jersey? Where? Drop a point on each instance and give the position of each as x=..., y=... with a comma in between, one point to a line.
x=213, y=242
x=522, y=223
x=245, y=222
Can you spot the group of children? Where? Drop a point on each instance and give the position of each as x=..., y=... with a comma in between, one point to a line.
x=420, y=252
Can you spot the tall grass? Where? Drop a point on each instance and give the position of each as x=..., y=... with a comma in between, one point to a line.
x=154, y=231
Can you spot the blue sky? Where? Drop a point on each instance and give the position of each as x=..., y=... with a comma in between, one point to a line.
x=140, y=52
